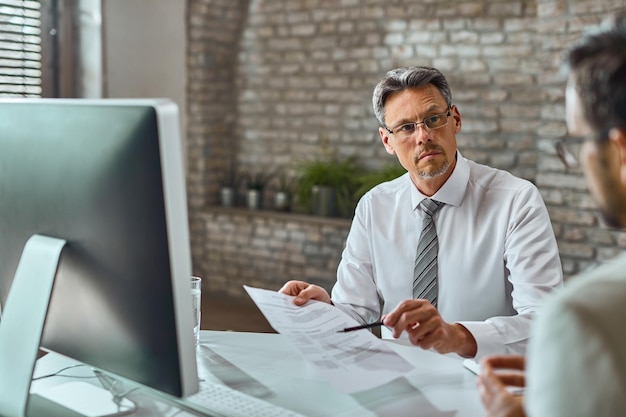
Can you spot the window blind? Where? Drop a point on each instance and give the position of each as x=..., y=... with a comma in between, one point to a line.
x=20, y=48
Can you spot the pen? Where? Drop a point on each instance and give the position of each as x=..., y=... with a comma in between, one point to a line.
x=364, y=326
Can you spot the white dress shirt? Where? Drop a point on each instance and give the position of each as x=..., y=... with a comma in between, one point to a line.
x=498, y=256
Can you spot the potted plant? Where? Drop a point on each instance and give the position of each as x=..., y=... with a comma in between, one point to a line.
x=229, y=183
x=370, y=179
x=255, y=185
x=284, y=190
x=326, y=187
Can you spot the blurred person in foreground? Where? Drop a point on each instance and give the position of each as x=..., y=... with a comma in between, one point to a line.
x=576, y=360
x=496, y=258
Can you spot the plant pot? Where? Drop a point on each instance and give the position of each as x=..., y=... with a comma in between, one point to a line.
x=281, y=201
x=227, y=195
x=254, y=199
x=324, y=201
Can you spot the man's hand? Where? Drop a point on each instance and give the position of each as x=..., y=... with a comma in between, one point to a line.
x=492, y=385
x=426, y=329
x=303, y=291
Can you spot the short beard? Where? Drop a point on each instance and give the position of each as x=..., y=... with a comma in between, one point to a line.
x=432, y=174
x=611, y=220
x=610, y=197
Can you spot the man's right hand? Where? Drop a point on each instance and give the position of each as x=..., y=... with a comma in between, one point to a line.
x=303, y=291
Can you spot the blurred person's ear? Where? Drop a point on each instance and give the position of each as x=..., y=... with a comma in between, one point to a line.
x=618, y=136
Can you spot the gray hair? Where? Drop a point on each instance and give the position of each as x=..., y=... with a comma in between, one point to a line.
x=400, y=79
x=597, y=65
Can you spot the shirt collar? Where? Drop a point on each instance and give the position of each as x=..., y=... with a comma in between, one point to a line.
x=452, y=191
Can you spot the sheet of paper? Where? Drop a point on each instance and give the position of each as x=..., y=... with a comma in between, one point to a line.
x=352, y=362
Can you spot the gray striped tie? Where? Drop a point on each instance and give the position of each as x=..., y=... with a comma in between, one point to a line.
x=425, y=272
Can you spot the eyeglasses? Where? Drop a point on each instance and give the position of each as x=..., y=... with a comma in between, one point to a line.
x=567, y=149
x=407, y=130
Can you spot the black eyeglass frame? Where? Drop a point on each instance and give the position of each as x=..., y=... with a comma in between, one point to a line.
x=447, y=113
x=569, y=158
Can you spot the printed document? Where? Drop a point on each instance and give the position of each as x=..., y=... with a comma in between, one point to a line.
x=352, y=362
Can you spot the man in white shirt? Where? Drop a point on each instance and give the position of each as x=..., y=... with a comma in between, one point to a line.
x=576, y=362
x=497, y=255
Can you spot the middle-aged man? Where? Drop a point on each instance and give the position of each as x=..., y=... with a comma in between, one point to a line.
x=577, y=353
x=496, y=258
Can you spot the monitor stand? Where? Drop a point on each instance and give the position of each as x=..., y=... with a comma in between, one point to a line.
x=21, y=327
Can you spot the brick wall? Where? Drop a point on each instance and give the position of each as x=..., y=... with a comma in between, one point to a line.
x=274, y=81
x=266, y=249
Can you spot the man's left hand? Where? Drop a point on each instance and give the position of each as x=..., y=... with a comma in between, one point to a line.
x=426, y=329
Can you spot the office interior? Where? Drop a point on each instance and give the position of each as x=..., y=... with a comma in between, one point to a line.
x=266, y=84
x=263, y=84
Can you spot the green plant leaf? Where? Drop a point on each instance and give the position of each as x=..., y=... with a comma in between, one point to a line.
x=372, y=179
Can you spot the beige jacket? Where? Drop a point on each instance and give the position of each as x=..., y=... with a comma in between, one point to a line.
x=577, y=351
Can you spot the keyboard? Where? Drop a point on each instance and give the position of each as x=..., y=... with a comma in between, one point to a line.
x=227, y=402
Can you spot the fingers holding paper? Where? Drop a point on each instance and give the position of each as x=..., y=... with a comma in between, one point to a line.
x=426, y=329
x=507, y=368
x=498, y=374
x=303, y=291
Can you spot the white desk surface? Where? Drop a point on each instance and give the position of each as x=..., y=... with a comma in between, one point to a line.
x=266, y=365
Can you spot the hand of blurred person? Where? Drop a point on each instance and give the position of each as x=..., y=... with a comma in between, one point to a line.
x=497, y=373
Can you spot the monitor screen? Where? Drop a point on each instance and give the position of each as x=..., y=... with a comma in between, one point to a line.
x=106, y=176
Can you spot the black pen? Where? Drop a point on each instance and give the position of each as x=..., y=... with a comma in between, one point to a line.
x=364, y=326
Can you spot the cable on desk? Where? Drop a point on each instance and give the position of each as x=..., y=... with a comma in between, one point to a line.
x=58, y=373
x=111, y=385
x=107, y=382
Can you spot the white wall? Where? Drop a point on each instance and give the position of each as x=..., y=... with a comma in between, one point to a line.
x=145, y=50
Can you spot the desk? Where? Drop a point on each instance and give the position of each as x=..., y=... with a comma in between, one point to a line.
x=266, y=365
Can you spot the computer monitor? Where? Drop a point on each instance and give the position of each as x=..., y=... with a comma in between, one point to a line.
x=104, y=179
